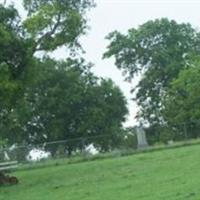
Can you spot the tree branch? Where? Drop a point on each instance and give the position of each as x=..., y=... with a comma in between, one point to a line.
x=50, y=33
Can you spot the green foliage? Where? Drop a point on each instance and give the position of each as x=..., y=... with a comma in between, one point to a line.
x=12, y=44
x=158, y=50
x=54, y=23
x=49, y=25
x=181, y=102
x=128, y=139
x=7, y=87
x=42, y=99
x=67, y=101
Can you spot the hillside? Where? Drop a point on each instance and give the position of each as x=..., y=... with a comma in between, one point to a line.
x=161, y=175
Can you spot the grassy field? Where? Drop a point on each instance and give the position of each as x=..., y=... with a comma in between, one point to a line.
x=161, y=175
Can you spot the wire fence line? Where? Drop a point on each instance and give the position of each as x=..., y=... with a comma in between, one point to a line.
x=81, y=146
x=189, y=129
x=84, y=146
x=58, y=142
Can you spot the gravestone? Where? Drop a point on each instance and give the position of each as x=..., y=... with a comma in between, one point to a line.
x=141, y=138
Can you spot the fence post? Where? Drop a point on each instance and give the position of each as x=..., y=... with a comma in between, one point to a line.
x=185, y=130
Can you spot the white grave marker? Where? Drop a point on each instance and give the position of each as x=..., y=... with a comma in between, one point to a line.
x=141, y=138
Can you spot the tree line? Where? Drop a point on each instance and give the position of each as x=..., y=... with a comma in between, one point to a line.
x=166, y=56
x=43, y=99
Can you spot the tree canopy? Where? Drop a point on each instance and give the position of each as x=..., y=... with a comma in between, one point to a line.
x=43, y=99
x=181, y=102
x=54, y=23
x=157, y=50
x=66, y=101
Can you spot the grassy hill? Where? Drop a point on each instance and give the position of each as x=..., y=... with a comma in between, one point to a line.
x=161, y=175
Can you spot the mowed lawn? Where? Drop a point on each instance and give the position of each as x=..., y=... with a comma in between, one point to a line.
x=165, y=175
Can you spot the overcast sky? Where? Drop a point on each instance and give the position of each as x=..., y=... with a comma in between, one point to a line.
x=110, y=15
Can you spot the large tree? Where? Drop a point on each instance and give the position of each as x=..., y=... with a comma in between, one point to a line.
x=48, y=25
x=67, y=102
x=49, y=100
x=157, y=50
x=182, y=103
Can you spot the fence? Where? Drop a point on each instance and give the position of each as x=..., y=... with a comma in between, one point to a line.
x=85, y=147
x=173, y=132
x=71, y=148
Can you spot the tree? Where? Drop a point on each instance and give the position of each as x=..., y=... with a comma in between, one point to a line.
x=106, y=110
x=54, y=23
x=67, y=102
x=56, y=100
x=49, y=25
x=13, y=48
x=181, y=102
x=158, y=50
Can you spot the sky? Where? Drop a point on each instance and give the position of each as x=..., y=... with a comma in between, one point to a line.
x=121, y=15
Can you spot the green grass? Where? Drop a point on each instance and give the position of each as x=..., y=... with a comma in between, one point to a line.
x=160, y=175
